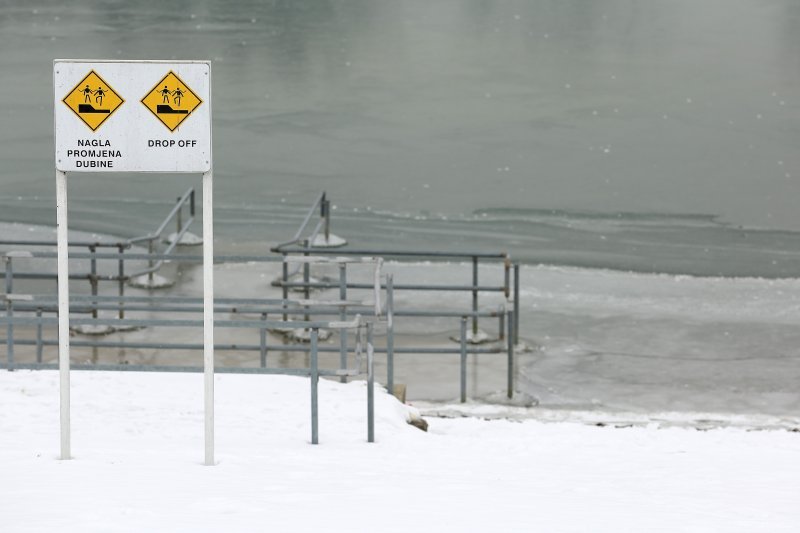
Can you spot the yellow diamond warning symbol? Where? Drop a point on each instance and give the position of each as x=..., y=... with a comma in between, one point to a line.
x=93, y=100
x=171, y=101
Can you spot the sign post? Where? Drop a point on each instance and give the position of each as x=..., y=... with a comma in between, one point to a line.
x=133, y=116
x=63, y=309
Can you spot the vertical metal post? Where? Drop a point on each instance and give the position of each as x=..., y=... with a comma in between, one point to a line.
x=93, y=279
x=314, y=386
x=263, y=342
x=150, y=259
x=208, y=314
x=121, y=282
x=179, y=219
x=370, y=384
x=9, y=312
x=516, y=303
x=192, y=203
x=9, y=274
x=507, y=277
x=510, y=365
x=39, y=335
x=343, y=317
x=63, y=311
x=358, y=346
x=326, y=214
x=463, y=359
x=285, y=280
x=306, y=280
x=501, y=313
x=475, y=296
x=390, y=332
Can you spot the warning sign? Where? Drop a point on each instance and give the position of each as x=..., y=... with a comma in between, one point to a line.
x=133, y=140
x=93, y=100
x=171, y=101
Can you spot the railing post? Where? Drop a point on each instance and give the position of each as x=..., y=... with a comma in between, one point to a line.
x=510, y=339
x=263, y=333
x=191, y=203
x=306, y=280
x=93, y=279
x=314, y=385
x=370, y=384
x=39, y=335
x=390, y=332
x=516, y=303
x=501, y=313
x=463, y=338
x=150, y=261
x=326, y=214
x=343, y=317
x=121, y=281
x=9, y=312
x=475, y=296
x=285, y=280
x=507, y=277
x=179, y=219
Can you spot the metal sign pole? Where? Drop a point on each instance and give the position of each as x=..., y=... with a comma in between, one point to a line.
x=208, y=313
x=63, y=309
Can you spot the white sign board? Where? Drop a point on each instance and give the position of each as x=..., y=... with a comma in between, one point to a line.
x=132, y=116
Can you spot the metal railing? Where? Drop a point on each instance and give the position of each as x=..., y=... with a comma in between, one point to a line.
x=36, y=308
x=121, y=278
x=323, y=204
x=314, y=371
x=188, y=198
x=304, y=245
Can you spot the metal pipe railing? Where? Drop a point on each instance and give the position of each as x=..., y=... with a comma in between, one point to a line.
x=151, y=239
x=313, y=371
x=508, y=320
x=251, y=347
x=298, y=235
x=263, y=307
x=186, y=198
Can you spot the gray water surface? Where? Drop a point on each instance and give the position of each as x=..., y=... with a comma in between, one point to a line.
x=437, y=109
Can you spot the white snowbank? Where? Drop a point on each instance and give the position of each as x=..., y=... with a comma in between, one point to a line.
x=138, y=438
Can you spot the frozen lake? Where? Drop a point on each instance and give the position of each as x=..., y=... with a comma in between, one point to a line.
x=639, y=158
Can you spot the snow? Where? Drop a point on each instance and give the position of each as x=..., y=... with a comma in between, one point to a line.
x=138, y=437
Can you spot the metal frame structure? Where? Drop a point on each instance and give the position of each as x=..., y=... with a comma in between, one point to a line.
x=37, y=307
x=304, y=245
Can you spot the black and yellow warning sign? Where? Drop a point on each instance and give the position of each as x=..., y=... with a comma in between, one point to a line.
x=171, y=101
x=93, y=100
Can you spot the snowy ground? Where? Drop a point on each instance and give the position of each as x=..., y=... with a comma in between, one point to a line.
x=137, y=446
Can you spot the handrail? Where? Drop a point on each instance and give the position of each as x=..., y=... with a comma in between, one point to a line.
x=318, y=203
x=402, y=253
x=188, y=198
x=189, y=194
x=71, y=244
x=242, y=310
x=313, y=371
x=302, y=255
x=307, y=247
